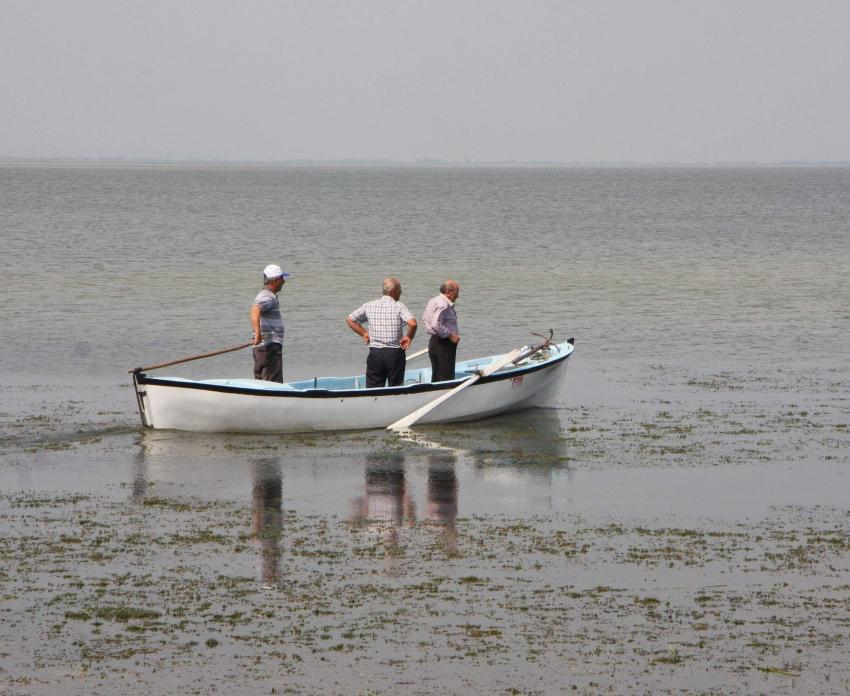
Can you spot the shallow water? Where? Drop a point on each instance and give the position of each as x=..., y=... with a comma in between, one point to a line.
x=708, y=394
x=705, y=269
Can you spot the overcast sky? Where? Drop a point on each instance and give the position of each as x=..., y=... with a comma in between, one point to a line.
x=595, y=80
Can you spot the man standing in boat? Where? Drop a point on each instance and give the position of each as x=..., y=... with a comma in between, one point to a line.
x=268, y=327
x=440, y=320
x=387, y=318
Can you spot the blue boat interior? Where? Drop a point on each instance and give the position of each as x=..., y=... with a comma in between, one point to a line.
x=463, y=370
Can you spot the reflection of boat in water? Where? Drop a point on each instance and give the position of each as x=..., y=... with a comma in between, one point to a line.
x=506, y=465
x=343, y=403
x=507, y=447
x=517, y=450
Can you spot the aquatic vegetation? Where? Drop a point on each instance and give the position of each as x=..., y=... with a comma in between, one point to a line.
x=153, y=594
x=152, y=575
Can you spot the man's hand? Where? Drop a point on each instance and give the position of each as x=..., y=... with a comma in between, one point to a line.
x=258, y=339
x=405, y=343
x=454, y=338
x=359, y=330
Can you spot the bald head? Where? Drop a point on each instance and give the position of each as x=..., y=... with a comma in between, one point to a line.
x=451, y=289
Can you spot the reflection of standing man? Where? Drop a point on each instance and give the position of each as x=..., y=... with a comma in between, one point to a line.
x=266, y=517
x=268, y=327
x=387, y=504
x=440, y=321
x=442, y=495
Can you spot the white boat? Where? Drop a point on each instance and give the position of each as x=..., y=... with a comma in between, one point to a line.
x=344, y=403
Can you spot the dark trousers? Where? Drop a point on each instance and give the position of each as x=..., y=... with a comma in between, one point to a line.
x=442, y=353
x=385, y=365
x=268, y=362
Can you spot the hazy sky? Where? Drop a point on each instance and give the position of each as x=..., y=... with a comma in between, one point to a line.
x=595, y=80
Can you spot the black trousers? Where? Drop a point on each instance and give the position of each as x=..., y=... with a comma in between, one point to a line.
x=385, y=365
x=442, y=353
x=268, y=362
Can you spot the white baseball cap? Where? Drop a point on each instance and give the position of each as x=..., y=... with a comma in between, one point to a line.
x=274, y=271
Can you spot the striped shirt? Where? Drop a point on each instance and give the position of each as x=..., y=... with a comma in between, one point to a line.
x=440, y=317
x=271, y=323
x=386, y=318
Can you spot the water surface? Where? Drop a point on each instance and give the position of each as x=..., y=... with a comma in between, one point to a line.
x=665, y=524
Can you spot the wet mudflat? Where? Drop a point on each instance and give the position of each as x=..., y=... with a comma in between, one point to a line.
x=165, y=597
x=698, y=544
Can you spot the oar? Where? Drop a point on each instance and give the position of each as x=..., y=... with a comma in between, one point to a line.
x=417, y=354
x=192, y=357
x=409, y=420
x=513, y=357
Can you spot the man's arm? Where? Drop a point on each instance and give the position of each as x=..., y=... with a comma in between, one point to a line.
x=255, y=323
x=358, y=329
x=441, y=329
x=411, y=332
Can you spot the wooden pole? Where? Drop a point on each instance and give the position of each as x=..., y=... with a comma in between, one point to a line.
x=192, y=357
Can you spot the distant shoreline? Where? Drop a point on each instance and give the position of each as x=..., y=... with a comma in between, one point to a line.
x=402, y=164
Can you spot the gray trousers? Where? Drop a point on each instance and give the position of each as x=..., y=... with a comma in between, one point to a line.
x=268, y=362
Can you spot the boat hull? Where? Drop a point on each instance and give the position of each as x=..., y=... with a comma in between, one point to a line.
x=193, y=406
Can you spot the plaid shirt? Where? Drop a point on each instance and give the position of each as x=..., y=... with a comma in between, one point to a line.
x=387, y=319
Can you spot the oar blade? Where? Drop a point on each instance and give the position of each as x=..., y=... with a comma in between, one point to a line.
x=407, y=421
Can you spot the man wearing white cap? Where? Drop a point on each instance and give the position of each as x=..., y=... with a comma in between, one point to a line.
x=268, y=326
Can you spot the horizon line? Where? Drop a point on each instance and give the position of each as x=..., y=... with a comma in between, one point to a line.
x=419, y=162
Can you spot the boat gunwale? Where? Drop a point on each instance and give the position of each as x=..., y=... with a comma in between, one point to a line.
x=416, y=388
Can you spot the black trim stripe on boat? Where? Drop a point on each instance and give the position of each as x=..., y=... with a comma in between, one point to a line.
x=345, y=393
